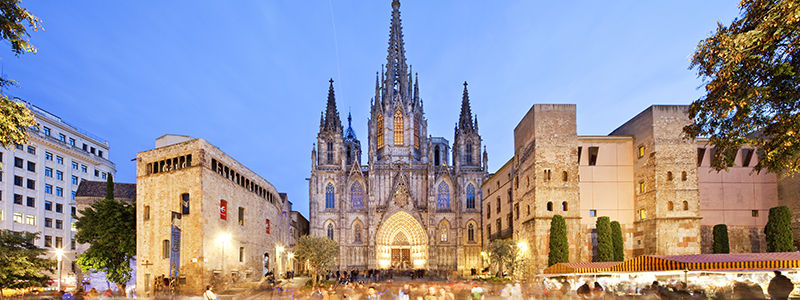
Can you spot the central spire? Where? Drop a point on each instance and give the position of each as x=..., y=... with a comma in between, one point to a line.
x=465, y=119
x=396, y=79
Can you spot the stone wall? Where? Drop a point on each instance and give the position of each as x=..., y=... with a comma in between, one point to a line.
x=741, y=239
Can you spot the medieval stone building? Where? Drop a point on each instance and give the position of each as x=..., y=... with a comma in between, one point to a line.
x=411, y=206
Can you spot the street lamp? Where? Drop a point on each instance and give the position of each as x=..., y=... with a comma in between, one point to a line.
x=60, y=255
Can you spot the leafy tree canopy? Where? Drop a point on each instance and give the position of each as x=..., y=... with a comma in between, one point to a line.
x=752, y=83
x=109, y=227
x=319, y=252
x=21, y=262
x=778, y=230
x=559, y=244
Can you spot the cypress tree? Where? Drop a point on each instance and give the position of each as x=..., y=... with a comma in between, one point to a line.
x=559, y=245
x=110, y=186
x=779, y=230
x=721, y=244
x=605, y=248
x=619, y=244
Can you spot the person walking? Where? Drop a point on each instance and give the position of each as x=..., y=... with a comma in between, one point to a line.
x=780, y=287
x=209, y=295
x=372, y=295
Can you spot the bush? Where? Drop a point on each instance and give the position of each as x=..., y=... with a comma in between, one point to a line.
x=721, y=244
x=616, y=239
x=605, y=249
x=559, y=244
x=779, y=230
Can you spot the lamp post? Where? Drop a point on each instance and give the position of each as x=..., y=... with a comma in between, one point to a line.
x=60, y=255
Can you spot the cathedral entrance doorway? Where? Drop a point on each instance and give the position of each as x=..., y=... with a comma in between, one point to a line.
x=401, y=243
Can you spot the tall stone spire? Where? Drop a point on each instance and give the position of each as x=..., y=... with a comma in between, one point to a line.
x=396, y=80
x=332, y=123
x=465, y=120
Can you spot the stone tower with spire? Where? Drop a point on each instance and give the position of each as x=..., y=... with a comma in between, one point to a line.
x=409, y=207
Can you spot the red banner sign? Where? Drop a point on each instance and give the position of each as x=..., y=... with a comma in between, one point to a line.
x=223, y=209
x=267, y=226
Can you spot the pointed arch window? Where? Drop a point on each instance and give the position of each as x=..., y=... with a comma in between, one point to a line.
x=330, y=230
x=330, y=195
x=443, y=231
x=471, y=232
x=443, y=196
x=357, y=196
x=379, y=130
x=357, y=233
x=330, y=152
x=398, y=128
x=470, y=196
x=416, y=133
x=468, y=150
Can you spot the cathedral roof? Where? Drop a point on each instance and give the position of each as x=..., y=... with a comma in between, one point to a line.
x=331, y=121
x=465, y=119
x=350, y=134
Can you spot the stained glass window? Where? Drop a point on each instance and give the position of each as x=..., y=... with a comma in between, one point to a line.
x=443, y=231
x=470, y=196
x=443, y=198
x=471, y=232
x=356, y=196
x=379, y=130
x=330, y=230
x=357, y=233
x=330, y=196
x=398, y=128
x=469, y=152
x=416, y=132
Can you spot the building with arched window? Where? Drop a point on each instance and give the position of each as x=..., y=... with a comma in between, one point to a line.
x=384, y=212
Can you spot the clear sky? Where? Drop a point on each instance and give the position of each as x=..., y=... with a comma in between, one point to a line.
x=251, y=77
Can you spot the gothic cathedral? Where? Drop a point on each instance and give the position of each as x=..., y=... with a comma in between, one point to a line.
x=409, y=207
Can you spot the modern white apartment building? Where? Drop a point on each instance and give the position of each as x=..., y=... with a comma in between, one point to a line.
x=39, y=179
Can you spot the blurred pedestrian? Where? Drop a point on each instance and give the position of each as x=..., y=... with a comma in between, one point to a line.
x=780, y=287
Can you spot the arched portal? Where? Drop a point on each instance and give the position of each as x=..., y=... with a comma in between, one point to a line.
x=401, y=243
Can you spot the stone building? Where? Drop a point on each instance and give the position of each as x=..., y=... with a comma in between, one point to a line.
x=410, y=206
x=205, y=218
x=658, y=185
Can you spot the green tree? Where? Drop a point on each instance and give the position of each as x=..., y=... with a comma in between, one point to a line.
x=318, y=252
x=605, y=246
x=110, y=186
x=15, y=118
x=21, y=265
x=506, y=253
x=750, y=71
x=778, y=230
x=559, y=244
x=721, y=244
x=616, y=239
x=109, y=227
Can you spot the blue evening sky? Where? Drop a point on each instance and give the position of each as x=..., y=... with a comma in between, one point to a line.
x=251, y=77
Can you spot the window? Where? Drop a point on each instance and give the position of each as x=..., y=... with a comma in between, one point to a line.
x=46, y=130
x=416, y=133
x=356, y=196
x=48, y=222
x=241, y=215
x=59, y=160
x=30, y=202
x=701, y=153
x=488, y=211
x=83, y=169
x=685, y=205
x=498, y=205
x=489, y=229
x=499, y=225
x=48, y=205
x=48, y=156
x=641, y=187
x=468, y=149
x=185, y=203
x=74, y=165
x=17, y=199
x=330, y=230
x=241, y=254
x=85, y=147
x=443, y=228
x=59, y=208
x=72, y=244
x=100, y=153
x=669, y=176
x=18, y=162
x=549, y=206
x=443, y=196
x=379, y=128
x=62, y=137
x=510, y=196
x=670, y=206
x=642, y=214
x=19, y=147
x=18, y=217
x=470, y=196
x=529, y=210
x=103, y=175
x=357, y=233
x=683, y=176
x=754, y=213
x=92, y=150
x=747, y=156
x=564, y=206
x=59, y=224
x=593, y=213
x=31, y=184
x=593, y=155
x=31, y=149
x=17, y=181
x=48, y=172
x=640, y=153
x=330, y=195
x=59, y=175
x=48, y=240
x=73, y=195
x=147, y=212
x=59, y=191
x=96, y=173
x=564, y=176
x=30, y=219
x=398, y=127
x=165, y=249
x=330, y=152
x=48, y=189
x=471, y=232
x=75, y=180
x=59, y=242
x=516, y=210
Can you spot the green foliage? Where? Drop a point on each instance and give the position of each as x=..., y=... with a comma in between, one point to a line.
x=319, y=252
x=721, y=244
x=506, y=253
x=778, y=230
x=109, y=227
x=559, y=244
x=752, y=83
x=605, y=247
x=616, y=240
x=21, y=265
x=110, y=186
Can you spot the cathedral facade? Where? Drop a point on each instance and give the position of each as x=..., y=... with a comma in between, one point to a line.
x=415, y=204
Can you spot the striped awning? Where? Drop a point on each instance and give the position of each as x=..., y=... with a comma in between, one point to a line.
x=711, y=262
x=581, y=267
